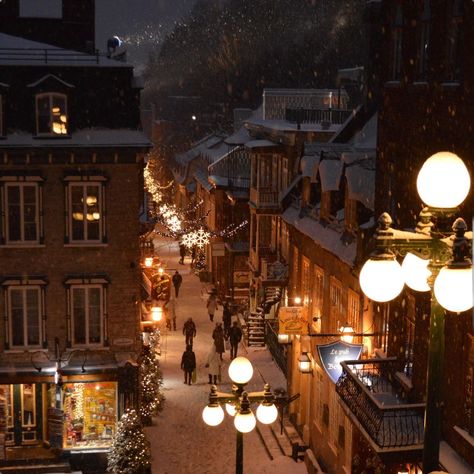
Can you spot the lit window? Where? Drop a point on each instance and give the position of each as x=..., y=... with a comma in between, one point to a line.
x=87, y=314
x=51, y=114
x=85, y=212
x=21, y=210
x=24, y=316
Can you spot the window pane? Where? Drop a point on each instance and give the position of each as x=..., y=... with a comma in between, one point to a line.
x=32, y=317
x=93, y=212
x=58, y=115
x=77, y=212
x=79, y=315
x=14, y=213
x=16, y=302
x=29, y=212
x=94, y=315
x=43, y=114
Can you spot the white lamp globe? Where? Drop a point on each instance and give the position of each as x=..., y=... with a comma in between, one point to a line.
x=443, y=180
x=245, y=422
x=230, y=409
x=213, y=415
x=415, y=272
x=381, y=280
x=267, y=414
x=454, y=290
x=240, y=370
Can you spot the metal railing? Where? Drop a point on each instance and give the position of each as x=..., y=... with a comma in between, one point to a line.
x=264, y=196
x=368, y=388
x=49, y=55
x=331, y=116
x=277, y=350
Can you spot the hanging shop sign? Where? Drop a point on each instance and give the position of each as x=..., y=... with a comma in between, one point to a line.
x=241, y=278
x=218, y=249
x=293, y=320
x=333, y=354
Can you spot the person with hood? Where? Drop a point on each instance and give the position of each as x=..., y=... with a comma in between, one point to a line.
x=218, y=336
x=188, y=364
x=212, y=305
x=213, y=364
x=177, y=280
x=189, y=330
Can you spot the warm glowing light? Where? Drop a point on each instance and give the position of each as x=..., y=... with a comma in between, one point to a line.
x=230, y=409
x=347, y=333
x=97, y=387
x=78, y=216
x=381, y=280
x=297, y=300
x=96, y=215
x=453, y=289
x=156, y=313
x=415, y=272
x=161, y=271
x=91, y=200
x=443, y=180
x=304, y=363
x=267, y=413
x=240, y=370
x=63, y=118
x=284, y=338
x=213, y=415
x=245, y=422
x=148, y=262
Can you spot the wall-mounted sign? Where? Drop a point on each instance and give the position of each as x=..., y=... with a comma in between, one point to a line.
x=241, y=278
x=293, y=320
x=333, y=354
x=218, y=249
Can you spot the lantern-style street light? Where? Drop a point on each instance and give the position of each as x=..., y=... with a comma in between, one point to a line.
x=238, y=403
x=444, y=269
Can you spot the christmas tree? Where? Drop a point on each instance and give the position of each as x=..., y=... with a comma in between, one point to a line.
x=130, y=452
x=151, y=396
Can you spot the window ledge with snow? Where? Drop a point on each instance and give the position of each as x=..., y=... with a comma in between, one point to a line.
x=468, y=437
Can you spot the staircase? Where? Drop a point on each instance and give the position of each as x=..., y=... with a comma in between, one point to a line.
x=256, y=328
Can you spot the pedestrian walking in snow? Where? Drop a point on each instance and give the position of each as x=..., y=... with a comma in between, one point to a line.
x=189, y=330
x=226, y=318
x=177, y=280
x=193, y=255
x=212, y=305
x=188, y=364
x=218, y=336
x=213, y=364
x=182, y=253
x=235, y=336
x=171, y=313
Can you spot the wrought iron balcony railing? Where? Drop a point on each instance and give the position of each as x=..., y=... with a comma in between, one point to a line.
x=369, y=390
x=330, y=116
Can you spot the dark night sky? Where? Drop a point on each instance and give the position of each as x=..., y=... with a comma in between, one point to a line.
x=141, y=24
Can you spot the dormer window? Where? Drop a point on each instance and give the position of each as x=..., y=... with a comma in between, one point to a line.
x=51, y=114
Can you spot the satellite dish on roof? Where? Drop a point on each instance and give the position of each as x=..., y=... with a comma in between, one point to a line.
x=112, y=45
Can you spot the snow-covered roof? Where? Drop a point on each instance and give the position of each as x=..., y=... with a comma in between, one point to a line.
x=360, y=175
x=367, y=137
x=89, y=137
x=330, y=172
x=50, y=76
x=326, y=237
x=240, y=137
x=260, y=144
x=309, y=166
x=201, y=178
x=17, y=51
x=285, y=126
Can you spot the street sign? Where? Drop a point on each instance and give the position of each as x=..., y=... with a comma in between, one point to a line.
x=333, y=354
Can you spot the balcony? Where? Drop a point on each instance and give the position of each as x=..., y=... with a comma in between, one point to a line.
x=264, y=197
x=376, y=403
x=317, y=116
x=260, y=261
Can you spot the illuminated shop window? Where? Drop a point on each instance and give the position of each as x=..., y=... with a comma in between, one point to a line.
x=90, y=414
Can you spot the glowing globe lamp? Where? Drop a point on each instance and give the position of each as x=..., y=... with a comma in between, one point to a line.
x=381, y=280
x=415, y=272
x=267, y=413
x=443, y=181
x=240, y=370
x=213, y=414
x=245, y=422
x=230, y=409
x=453, y=288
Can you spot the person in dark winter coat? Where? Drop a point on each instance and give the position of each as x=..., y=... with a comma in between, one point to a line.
x=188, y=364
x=182, y=253
x=226, y=318
x=177, y=280
x=235, y=336
x=189, y=330
x=218, y=336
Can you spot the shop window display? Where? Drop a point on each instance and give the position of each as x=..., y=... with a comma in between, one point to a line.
x=90, y=411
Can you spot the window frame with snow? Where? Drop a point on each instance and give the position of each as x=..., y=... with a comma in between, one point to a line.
x=48, y=115
x=78, y=191
x=32, y=319
x=28, y=215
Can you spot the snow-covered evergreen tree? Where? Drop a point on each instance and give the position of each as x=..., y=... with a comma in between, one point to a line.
x=130, y=452
x=151, y=396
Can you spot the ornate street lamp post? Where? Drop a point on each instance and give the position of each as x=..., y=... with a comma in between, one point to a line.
x=237, y=405
x=444, y=269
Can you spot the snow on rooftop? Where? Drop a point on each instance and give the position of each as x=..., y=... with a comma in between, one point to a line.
x=17, y=51
x=326, y=237
x=309, y=167
x=85, y=137
x=367, y=137
x=330, y=172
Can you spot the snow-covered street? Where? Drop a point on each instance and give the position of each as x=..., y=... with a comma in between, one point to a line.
x=180, y=440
